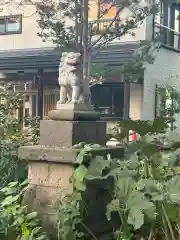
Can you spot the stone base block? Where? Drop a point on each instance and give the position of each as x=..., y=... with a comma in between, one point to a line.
x=74, y=112
x=68, y=133
x=43, y=155
x=49, y=183
x=49, y=173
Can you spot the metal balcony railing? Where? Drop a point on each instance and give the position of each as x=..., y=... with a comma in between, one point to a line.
x=167, y=36
x=100, y=26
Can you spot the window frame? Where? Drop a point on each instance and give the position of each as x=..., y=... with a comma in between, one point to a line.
x=6, y=18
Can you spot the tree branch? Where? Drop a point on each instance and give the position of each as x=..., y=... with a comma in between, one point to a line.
x=106, y=11
x=107, y=29
x=129, y=25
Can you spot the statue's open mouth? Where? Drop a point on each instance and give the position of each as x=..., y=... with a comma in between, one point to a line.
x=73, y=64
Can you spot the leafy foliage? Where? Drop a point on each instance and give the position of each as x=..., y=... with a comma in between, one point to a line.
x=168, y=104
x=34, y=129
x=15, y=221
x=146, y=185
x=11, y=169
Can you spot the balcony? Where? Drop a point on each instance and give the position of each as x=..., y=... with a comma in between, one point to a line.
x=167, y=36
x=100, y=26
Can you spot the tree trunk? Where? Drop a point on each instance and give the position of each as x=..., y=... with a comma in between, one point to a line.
x=85, y=41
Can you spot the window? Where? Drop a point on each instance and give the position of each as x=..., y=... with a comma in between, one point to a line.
x=10, y=24
x=112, y=104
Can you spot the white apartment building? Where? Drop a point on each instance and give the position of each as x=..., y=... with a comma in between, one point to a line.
x=23, y=54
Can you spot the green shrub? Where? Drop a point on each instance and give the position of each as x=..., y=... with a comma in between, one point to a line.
x=146, y=193
x=15, y=222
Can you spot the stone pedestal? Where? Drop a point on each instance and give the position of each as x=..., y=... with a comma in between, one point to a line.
x=51, y=164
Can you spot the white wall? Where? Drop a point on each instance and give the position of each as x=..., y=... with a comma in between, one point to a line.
x=136, y=97
x=28, y=38
x=165, y=72
x=143, y=31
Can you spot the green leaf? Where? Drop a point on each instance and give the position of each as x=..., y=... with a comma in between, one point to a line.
x=79, y=176
x=31, y=216
x=9, y=200
x=135, y=217
x=123, y=187
x=113, y=206
x=13, y=184
x=36, y=230
x=42, y=237
x=173, y=189
x=25, y=230
x=150, y=186
x=24, y=183
x=84, y=154
x=96, y=167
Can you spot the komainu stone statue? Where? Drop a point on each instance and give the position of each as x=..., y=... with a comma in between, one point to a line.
x=70, y=80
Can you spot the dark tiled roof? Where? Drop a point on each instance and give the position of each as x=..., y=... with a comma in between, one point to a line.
x=34, y=58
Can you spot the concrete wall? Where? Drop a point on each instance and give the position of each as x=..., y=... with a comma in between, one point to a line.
x=136, y=99
x=164, y=72
x=143, y=31
x=28, y=38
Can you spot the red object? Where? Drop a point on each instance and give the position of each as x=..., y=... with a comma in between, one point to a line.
x=160, y=147
x=132, y=136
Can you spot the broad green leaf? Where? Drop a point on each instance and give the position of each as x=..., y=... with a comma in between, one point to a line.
x=79, y=176
x=173, y=137
x=123, y=187
x=43, y=237
x=31, y=216
x=18, y=221
x=96, y=167
x=135, y=218
x=150, y=213
x=24, y=183
x=82, y=156
x=149, y=149
x=25, y=230
x=13, y=184
x=9, y=200
x=9, y=190
x=137, y=199
x=113, y=206
x=174, y=158
x=150, y=186
x=173, y=189
x=36, y=230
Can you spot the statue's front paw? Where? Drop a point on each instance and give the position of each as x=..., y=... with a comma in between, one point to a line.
x=73, y=101
x=80, y=101
x=61, y=102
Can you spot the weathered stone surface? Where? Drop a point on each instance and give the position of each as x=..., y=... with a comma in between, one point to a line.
x=44, y=154
x=50, y=174
x=44, y=200
x=75, y=115
x=74, y=112
x=47, y=154
x=74, y=107
x=68, y=133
